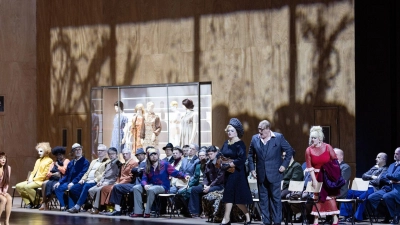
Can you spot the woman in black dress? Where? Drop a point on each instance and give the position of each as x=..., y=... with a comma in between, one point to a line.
x=236, y=190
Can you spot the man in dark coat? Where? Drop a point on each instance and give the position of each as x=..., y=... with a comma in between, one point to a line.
x=266, y=149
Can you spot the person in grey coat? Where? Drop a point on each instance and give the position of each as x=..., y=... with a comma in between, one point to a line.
x=109, y=177
x=266, y=149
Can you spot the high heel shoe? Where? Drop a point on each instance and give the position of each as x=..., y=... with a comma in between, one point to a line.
x=247, y=222
x=228, y=223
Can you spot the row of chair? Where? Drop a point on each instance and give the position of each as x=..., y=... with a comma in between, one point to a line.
x=298, y=187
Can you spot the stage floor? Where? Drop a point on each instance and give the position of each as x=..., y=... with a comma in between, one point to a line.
x=22, y=216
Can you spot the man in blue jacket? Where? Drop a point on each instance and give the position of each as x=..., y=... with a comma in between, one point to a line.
x=390, y=195
x=76, y=168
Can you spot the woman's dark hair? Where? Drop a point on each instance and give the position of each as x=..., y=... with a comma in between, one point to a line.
x=57, y=150
x=212, y=148
x=6, y=173
x=121, y=105
x=188, y=103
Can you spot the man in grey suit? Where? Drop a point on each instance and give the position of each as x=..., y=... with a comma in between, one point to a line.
x=266, y=150
x=109, y=177
x=189, y=163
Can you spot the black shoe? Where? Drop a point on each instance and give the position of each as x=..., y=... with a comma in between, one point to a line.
x=73, y=210
x=344, y=219
x=350, y=220
x=29, y=206
x=113, y=213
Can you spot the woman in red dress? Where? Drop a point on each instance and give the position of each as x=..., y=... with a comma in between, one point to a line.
x=317, y=154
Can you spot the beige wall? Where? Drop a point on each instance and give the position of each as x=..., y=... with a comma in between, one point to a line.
x=18, y=84
x=276, y=60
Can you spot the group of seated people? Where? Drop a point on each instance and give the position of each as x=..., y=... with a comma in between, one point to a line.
x=382, y=195
x=186, y=172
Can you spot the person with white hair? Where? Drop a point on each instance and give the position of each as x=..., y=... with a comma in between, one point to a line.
x=319, y=154
x=79, y=191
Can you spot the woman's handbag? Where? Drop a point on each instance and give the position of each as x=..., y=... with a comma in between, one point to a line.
x=223, y=163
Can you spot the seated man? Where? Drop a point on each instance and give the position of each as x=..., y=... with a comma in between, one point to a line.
x=188, y=164
x=213, y=180
x=155, y=181
x=293, y=172
x=76, y=168
x=109, y=177
x=182, y=197
x=345, y=170
x=177, y=155
x=375, y=184
x=185, y=150
x=389, y=194
x=39, y=174
x=168, y=151
x=121, y=189
x=79, y=191
x=125, y=177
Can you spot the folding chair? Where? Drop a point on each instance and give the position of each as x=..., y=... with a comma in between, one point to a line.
x=170, y=204
x=357, y=185
x=303, y=203
x=256, y=201
x=294, y=186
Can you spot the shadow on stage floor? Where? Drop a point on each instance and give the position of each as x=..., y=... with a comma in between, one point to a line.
x=22, y=216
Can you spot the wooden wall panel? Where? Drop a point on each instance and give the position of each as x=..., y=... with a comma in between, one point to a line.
x=266, y=59
x=2, y=129
x=17, y=83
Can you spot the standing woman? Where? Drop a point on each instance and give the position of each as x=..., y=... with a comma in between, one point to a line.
x=5, y=198
x=236, y=190
x=318, y=154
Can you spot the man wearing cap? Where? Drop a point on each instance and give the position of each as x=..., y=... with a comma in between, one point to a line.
x=78, y=192
x=267, y=146
x=168, y=151
x=76, y=168
x=128, y=179
x=155, y=181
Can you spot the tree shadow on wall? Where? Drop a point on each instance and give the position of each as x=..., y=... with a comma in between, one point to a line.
x=295, y=119
x=71, y=86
